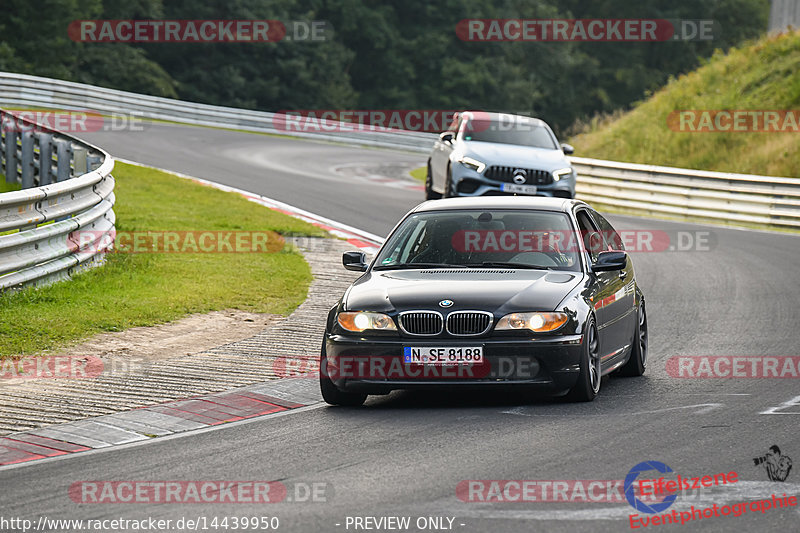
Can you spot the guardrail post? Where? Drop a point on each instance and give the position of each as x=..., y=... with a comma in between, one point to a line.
x=79, y=162
x=45, y=158
x=10, y=169
x=44, y=254
x=93, y=162
x=64, y=156
x=27, y=159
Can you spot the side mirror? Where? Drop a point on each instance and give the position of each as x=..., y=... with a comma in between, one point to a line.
x=446, y=137
x=608, y=261
x=356, y=261
x=568, y=149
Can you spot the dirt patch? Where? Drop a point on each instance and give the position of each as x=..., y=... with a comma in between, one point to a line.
x=189, y=335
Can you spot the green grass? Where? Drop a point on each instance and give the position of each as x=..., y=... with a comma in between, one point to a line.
x=760, y=76
x=144, y=289
x=7, y=187
x=419, y=173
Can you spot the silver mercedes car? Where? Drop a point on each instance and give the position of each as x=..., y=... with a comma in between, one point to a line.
x=499, y=154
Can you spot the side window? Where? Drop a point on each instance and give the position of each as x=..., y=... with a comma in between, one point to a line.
x=612, y=239
x=589, y=234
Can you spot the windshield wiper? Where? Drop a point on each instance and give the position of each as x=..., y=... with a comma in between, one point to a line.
x=401, y=266
x=498, y=264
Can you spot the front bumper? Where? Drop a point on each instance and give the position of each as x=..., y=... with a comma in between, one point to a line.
x=468, y=182
x=375, y=365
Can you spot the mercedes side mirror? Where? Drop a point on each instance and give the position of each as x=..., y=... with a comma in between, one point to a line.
x=356, y=261
x=568, y=149
x=608, y=261
x=446, y=137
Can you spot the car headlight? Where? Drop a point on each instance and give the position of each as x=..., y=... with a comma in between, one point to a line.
x=538, y=322
x=561, y=173
x=358, y=321
x=474, y=164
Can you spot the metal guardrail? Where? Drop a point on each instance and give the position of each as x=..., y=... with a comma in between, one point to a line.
x=771, y=202
x=784, y=14
x=719, y=196
x=34, y=91
x=57, y=224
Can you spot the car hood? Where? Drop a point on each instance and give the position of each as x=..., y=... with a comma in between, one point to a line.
x=497, y=291
x=515, y=155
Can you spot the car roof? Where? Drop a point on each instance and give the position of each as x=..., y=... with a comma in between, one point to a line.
x=494, y=117
x=540, y=203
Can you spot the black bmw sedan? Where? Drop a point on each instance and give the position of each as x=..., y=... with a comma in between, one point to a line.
x=488, y=292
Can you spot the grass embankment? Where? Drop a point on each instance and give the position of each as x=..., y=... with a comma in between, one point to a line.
x=7, y=187
x=761, y=76
x=143, y=289
x=419, y=173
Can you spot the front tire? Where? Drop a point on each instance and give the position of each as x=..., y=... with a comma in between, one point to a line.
x=330, y=393
x=448, y=185
x=588, y=385
x=637, y=363
x=430, y=194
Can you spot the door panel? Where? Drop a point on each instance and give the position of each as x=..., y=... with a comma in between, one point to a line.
x=625, y=301
x=609, y=298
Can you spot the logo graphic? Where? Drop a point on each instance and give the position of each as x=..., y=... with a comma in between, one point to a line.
x=777, y=465
x=629, y=486
x=446, y=303
x=519, y=176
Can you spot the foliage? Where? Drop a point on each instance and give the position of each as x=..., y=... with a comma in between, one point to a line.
x=761, y=76
x=396, y=54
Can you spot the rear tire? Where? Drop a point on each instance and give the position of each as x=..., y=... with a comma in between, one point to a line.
x=588, y=385
x=637, y=363
x=330, y=393
x=430, y=194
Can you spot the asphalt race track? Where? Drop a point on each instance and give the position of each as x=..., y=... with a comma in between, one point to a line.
x=302, y=174
x=405, y=454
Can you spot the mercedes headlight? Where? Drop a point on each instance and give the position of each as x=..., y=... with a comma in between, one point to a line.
x=474, y=164
x=561, y=173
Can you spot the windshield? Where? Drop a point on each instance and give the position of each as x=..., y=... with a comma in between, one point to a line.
x=523, y=133
x=482, y=238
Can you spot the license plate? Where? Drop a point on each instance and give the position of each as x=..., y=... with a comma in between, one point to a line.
x=443, y=355
x=518, y=189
